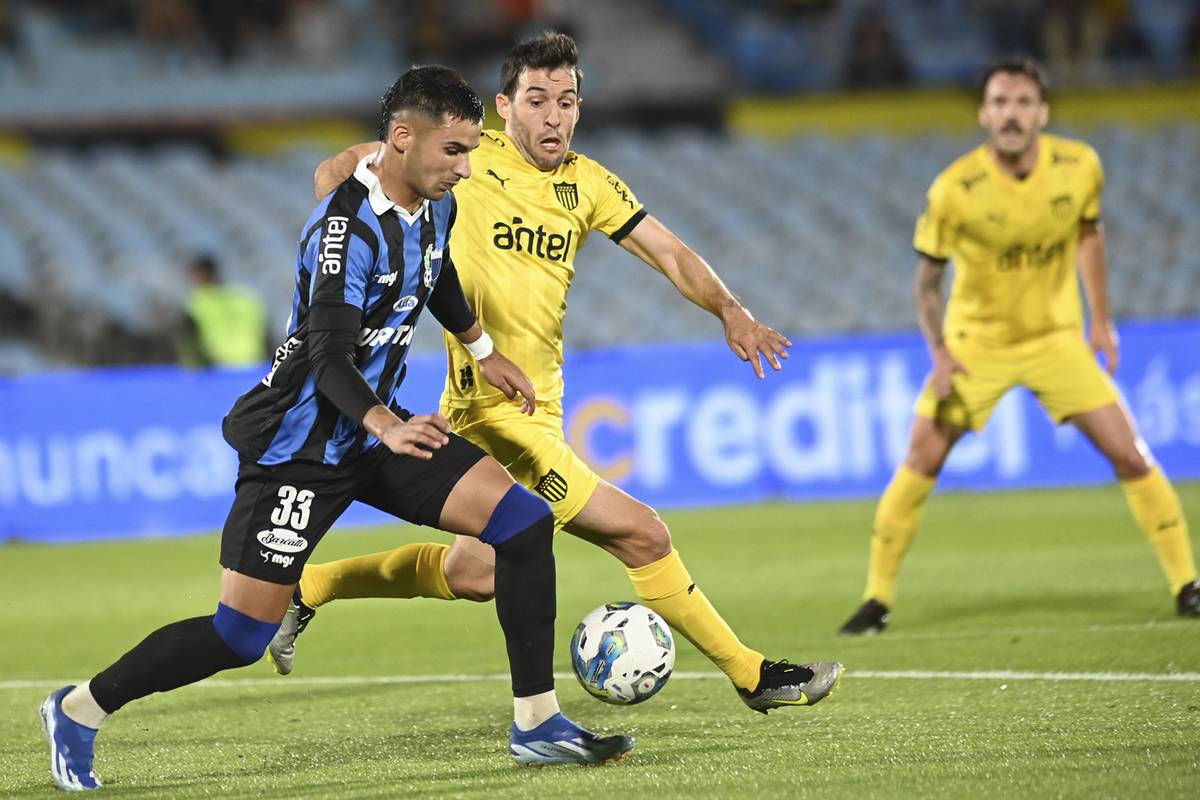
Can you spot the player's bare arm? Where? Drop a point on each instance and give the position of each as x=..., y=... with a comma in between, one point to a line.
x=1093, y=271
x=927, y=290
x=499, y=371
x=750, y=340
x=332, y=171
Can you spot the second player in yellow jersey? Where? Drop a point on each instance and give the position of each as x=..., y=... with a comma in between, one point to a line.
x=516, y=268
x=1014, y=316
x=1019, y=216
x=1013, y=240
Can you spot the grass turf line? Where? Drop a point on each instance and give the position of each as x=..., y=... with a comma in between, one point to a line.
x=1029, y=582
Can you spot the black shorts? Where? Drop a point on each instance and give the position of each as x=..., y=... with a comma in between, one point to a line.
x=281, y=512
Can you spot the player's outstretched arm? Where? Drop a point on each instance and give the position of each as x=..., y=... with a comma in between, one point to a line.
x=749, y=339
x=332, y=171
x=927, y=290
x=1093, y=271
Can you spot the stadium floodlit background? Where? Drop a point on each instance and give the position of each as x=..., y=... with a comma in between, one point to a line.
x=789, y=142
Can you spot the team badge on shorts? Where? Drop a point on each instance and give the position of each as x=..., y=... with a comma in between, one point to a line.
x=552, y=486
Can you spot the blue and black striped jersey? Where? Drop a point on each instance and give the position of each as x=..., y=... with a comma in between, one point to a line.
x=358, y=253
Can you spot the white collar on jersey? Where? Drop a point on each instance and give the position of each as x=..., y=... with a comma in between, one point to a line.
x=380, y=203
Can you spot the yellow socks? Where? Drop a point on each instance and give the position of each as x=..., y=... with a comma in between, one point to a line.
x=414, y=570
x=1156, y=510
x=666, y=587
x=896, y=519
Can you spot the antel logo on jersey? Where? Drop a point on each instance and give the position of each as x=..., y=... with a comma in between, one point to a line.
x=332, y=245
x=524, y=239
x=405, y=304
x=282, y=540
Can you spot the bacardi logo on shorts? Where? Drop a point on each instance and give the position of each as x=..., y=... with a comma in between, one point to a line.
x=282, y=540
x=552, y=486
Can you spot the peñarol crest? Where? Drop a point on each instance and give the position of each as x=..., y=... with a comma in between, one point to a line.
x=1061, y=206
x=567, y=194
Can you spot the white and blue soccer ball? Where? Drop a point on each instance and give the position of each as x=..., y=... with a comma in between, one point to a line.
x=622, y=653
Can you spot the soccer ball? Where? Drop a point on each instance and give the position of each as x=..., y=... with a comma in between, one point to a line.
x=622, y=653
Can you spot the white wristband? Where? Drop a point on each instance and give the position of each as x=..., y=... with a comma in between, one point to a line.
x=481, y=348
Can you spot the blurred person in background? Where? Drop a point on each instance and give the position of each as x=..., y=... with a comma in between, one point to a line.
x=224, y=325
x=874, y=59
x=1020, y=217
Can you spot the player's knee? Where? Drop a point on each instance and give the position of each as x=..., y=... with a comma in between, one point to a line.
x=926, y=460
x=246, y=636
x=477, y=584
x=477, y=589
x=1130, y=464
x=652, y=538
x=519, y=511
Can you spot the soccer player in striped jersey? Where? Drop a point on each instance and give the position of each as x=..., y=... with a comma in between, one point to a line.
x=326, y=427
x=522, y=217
x=1020, y=217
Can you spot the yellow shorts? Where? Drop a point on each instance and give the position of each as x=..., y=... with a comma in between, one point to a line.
x=533, y=450
x=1059, y=368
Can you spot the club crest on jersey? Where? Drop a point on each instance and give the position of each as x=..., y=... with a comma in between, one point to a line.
x=427, y=272
x=1061, y=206
x=567, y=194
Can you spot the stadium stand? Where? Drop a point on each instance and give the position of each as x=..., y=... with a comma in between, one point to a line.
x=812, y=232
x=114, y=190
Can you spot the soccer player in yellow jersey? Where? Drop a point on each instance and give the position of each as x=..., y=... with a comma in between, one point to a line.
x=1020, y=217
x=522, y=217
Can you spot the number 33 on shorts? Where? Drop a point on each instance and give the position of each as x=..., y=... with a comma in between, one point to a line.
x=293, y=508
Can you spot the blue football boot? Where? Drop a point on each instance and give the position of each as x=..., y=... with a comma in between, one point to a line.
x=558, y=740
x=70, y=746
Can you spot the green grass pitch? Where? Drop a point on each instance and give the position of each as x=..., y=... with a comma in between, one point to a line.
x=1034, y=582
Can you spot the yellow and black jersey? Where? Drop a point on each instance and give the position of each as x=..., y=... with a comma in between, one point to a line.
x=1013, y=241
x=515, y=239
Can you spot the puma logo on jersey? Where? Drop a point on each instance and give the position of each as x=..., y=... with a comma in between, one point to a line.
x=502, y=181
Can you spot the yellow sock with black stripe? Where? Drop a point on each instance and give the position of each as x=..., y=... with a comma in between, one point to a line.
x=667, y=588
x=1157, y=511
x=414, y=570
x=896, y=519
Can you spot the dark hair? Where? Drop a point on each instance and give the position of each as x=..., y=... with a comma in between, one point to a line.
x=1016, y=65
x=205, y=267
x=434, y=91
x=549, y=50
